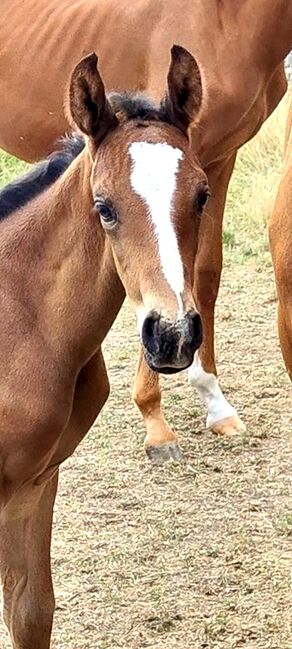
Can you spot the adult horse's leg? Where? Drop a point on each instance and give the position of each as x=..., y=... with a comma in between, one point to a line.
x=280, y=245
x=161, y=441
x=280, y=236
x=25, y=539
x=285, y=333
x=222, y=417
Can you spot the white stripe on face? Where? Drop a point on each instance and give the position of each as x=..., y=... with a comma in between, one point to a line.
x=153, y=178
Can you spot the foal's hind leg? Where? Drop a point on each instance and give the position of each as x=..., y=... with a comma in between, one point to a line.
x=25, y=539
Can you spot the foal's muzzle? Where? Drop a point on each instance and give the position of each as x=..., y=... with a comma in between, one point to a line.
x=170, y=347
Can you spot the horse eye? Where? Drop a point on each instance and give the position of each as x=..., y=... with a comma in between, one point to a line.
x=106, y=212
x=202, y=196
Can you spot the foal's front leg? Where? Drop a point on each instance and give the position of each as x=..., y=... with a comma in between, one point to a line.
x=26, y=523
x=161, y=442
x=25, y=539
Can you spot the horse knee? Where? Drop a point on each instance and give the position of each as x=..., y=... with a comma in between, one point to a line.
x=146, y=395
x=28, y=615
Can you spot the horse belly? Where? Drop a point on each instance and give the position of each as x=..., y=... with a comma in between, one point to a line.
x=58, y=35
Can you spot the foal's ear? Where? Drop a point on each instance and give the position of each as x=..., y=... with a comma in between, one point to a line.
x=89, y=107
x=184, y=96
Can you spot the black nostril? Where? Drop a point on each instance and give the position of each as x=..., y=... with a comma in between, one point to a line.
x=150, y=332
x=196, y=329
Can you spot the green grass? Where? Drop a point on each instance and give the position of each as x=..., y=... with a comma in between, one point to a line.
x=284, y=523
x=10, y=167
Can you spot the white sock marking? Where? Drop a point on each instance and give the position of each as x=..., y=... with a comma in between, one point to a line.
x=153, y=177
x=208, y=388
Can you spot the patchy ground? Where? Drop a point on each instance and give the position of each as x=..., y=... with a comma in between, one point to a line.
x=192, y=556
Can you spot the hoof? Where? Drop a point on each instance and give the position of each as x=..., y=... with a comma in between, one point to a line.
x=169, y=452
x=228, y=427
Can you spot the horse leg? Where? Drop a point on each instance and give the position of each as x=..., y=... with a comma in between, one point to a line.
x=222, y=418
x=160, y=442
x=285, y=334
x=280, y=228
x=280, y=250
x=25, y=527
x=280, y=239
x=25, y=539
x=91, y=392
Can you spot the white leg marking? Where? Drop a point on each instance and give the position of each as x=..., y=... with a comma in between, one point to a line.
x=153, y=178
x=208, y=388
x=141, y=314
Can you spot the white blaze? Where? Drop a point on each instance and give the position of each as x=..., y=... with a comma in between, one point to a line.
x=153, y=178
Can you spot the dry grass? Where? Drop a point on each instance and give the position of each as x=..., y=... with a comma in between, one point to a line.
x=253, y=188
x=198, y=555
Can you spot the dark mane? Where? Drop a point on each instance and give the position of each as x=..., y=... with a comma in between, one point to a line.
x=137, y=106
x=19, y=192
x=23, y=189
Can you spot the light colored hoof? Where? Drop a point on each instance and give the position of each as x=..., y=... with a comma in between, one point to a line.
x=228, y=427
x=169, y=452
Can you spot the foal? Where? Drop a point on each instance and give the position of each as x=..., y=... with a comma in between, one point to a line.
x=125, y=201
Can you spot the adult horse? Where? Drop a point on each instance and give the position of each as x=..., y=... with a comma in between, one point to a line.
x=240, y=45
x=280, y=234
x=65, y=229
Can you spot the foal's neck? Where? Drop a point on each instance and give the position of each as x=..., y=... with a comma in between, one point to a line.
x=87, y=286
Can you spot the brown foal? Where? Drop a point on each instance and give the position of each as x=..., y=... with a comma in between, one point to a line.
x=240, y=46
x=130, y=199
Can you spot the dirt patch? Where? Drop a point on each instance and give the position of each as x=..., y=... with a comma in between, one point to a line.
x=192, y=556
